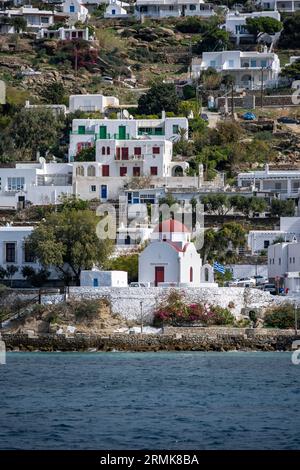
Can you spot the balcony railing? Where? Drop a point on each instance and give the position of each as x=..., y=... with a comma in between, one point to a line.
x=86, y=132
x=139, y=158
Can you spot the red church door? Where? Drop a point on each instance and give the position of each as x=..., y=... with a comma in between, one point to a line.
x=159, y=274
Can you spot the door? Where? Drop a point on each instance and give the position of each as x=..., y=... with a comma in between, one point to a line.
x=125, y=153
x=103, y=132
x=103, y=191
x=122, y=132
x=81, y=129
x=95, y=282
x=136, y=171
x=159, y=274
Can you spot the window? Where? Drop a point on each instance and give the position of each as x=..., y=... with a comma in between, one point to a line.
x=105, y=170
x=293, y=260
x=93, y=188
x=91, y=171
x=153, y=170
x=253, y=62
x=171, y=7
x=123, y=171
x=72, y=9
x=107, y=150
x=231, y=64
x=175, y=128
x=192, y=7
x=10, y=252
x=80, y=171
x=191, y=274
x=81, y=129
x=155, y=150
x=137, y=151
x=45, y=20
x=28, y=254
x=266, y=243
x=124, y=153
x=263, y=63
x=279, y=261
x=136, y=171
x=278, y=186
x=15, y=184
x=212, y=64
x=113, y=12
x=103, y=151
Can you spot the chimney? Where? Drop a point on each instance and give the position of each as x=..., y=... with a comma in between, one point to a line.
x=163, y=114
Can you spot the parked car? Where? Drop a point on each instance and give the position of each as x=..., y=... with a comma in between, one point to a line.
x=287, y=120
x=139, y=284
x=260, y=280
x=247, y=282
x=270, y=288
x=249, y=116
x=107, y=79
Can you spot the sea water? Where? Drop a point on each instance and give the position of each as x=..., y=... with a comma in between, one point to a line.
x=167, y=400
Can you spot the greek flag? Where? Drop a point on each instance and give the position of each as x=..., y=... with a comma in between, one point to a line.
x=219, y=267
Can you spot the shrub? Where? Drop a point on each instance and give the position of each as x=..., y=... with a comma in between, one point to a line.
x=282, y=316
x=175, y=310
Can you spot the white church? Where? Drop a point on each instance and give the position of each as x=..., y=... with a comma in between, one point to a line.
x=171, y=259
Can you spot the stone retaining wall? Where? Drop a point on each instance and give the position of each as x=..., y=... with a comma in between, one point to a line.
x=281, y=341
x=126, y=301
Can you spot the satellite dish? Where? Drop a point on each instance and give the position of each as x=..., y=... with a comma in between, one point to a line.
x=126, y=114
x=42, y=160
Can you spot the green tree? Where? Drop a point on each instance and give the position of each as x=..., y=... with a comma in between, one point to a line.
x=86, y=154
x=263, y=24
x=217, y=204
x=35, y=130
x=281, y=208
x=11, y=270
x=214, y=40
x=129, y=263
x=68, y=241
x=290, y=37
x=54, y=93
x=19, y=23
x=161, y=96
x=37, y=278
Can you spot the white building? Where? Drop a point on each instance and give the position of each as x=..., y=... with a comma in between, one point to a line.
x=249, y=69
x=116, y=9
x=64, y=34
x=287, y=6
x=97, y=278
x=172, y=259
x=89, y=102
x=57, y=109
x=284, y=265
x=13, y=249
x=86, y=131
x=35, y=18
x=76, y=10
x=173, y=8
x=282, y=183
x=36, y=183
x=289, y=230
x=236, y=23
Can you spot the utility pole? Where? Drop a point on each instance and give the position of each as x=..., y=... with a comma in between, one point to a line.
x=296, y=318
x=142, y=323
x=232, y=102
x=76, y=61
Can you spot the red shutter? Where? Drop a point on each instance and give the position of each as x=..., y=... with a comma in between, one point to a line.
x=79, y=147
x=155, y=150
x=137, y=151
x=153, y=170
x=136, y=171
x=123, y=171
x=105, y=170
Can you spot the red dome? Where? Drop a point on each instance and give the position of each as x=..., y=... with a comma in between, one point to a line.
x=170, y=226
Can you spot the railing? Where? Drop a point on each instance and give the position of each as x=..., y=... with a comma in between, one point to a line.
x=15, y=190
x=86, y=132
x=139, y=158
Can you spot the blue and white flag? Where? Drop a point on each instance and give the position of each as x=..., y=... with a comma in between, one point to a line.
x=219, y=267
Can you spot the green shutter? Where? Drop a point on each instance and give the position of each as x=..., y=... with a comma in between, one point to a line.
x=103, y=132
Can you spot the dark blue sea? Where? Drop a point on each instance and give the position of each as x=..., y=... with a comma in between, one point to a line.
x=190, y=400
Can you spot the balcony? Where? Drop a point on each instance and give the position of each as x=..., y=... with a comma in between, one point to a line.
x=132, y=158
x=81, y=132
x=14, y=189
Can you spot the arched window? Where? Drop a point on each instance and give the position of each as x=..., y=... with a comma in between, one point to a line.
x=107, y=150
x=80, y=170
x=191, y=274
x=206, y=274
x=103, y=150
x=91, y=171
